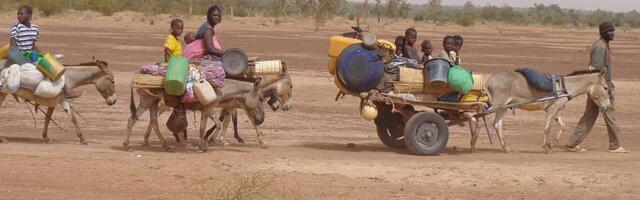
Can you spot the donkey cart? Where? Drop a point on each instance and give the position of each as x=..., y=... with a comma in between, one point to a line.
x=421, y=125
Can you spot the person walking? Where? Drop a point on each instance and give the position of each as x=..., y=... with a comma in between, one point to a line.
x=600, y=59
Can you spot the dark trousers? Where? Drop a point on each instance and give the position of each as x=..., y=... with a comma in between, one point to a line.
x=15, y=56
x=589, y=119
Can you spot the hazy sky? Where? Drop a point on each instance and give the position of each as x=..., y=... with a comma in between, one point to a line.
x=610, y=5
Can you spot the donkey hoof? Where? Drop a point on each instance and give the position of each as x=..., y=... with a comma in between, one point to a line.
x=84, y=142
x=169, y=149
x=46, y=140
x=127, y=147
x=182, y=144
x=145, y=143
x=240, y=140
x=203, y=147
x=2, y=140
x=508, y=150
x=474, y=151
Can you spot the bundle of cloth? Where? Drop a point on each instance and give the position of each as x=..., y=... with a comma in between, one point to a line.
x=27, y=76
x=211, y=71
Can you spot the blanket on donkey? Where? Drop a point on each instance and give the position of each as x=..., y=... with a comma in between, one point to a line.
x=536, y=79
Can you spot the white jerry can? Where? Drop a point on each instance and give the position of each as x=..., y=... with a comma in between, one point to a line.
x=204, y=91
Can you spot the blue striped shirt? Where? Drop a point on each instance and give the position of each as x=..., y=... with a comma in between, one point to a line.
x=25, y=36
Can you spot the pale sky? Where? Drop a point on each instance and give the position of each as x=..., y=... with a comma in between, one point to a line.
x=609, y=5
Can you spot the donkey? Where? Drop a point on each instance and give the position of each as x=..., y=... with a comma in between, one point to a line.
x=234, y=94
x=96, y=73
x=507, y=89
x=277, y=89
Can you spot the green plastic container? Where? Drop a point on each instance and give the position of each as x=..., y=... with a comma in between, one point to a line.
x=460, y=79
x=175, y=80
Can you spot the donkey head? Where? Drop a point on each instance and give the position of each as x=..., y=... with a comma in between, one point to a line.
x=598, y=91
x=280, y=95
x=105, y=83
x=252, y=104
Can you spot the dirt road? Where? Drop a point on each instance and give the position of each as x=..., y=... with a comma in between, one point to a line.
x=308, y=156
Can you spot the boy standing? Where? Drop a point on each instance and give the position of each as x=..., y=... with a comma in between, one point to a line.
x=410, y=51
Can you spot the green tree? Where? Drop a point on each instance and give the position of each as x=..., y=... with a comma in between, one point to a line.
x=467, y=16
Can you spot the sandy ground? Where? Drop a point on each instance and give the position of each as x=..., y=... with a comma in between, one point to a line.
x=307, y=156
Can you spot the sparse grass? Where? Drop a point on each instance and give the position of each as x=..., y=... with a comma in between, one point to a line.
x=256, y=186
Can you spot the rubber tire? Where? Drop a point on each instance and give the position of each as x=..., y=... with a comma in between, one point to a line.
x=411, y=133
x=386, y=136
x=388, y=125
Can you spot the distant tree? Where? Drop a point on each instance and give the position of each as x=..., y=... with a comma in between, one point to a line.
x=397, y=8
x=467, y=16
x=377, y=10
x=322, y=10
x=434, y=11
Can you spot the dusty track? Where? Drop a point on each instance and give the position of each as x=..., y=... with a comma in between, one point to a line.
x=308, y=157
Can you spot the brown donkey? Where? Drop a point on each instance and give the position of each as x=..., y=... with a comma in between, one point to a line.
x=510, y=89
x=234, y=94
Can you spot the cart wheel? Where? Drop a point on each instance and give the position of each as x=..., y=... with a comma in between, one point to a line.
x=390, y=129
x=426, y=133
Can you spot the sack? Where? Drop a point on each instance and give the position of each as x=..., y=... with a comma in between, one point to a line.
x=460, y=79
x=536, y=79
x=10, y=79
x=49, y=89
x=30, y=76
x=189, y=96
x=213, y=73
x=177, y=122
x=153, y=69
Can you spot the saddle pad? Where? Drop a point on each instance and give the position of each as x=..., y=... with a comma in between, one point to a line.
x=536, y=79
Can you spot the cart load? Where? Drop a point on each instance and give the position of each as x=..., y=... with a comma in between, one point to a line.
x=193, y=82
x=411, y=104
x=197, y=81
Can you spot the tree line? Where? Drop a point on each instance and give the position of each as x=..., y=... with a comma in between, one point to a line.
x=322, y=10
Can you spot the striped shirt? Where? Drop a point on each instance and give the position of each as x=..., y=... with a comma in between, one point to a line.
x=25, y=36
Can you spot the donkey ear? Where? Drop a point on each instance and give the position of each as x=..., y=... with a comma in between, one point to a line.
x=603, y=71
x=103, y=65
x=257, y=83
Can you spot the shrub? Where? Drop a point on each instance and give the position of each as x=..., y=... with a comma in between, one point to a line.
x=49, y=7
x=465, y=19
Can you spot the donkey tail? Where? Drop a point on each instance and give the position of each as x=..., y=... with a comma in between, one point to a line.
x=486, y=91
x=132, y=107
